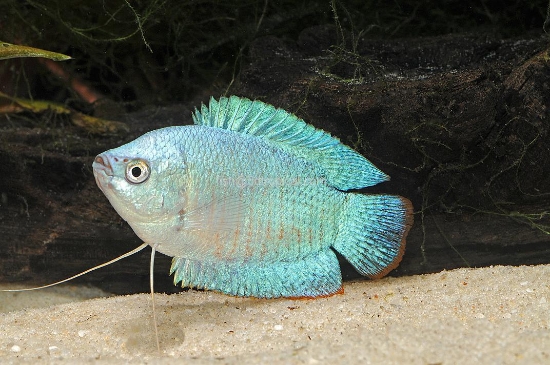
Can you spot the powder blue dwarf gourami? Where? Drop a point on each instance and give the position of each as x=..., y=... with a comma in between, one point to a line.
x=253, y=201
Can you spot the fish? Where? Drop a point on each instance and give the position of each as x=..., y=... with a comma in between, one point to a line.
x=252, y=201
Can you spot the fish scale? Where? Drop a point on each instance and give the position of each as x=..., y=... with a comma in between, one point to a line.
x=275, y=193
x=252, y=201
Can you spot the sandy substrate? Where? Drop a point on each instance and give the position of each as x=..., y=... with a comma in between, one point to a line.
x=495, y=315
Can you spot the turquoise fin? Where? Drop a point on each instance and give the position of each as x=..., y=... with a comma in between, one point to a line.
x=313, y=276
x=373, y=231
x=342, y=167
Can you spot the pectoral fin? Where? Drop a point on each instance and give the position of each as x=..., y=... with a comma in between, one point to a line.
x=219, y=214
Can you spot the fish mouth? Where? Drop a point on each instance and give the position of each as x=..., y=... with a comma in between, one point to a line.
x=103, y=172
x=102, y=164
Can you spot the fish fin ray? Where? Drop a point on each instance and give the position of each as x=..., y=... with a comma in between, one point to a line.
x=342, y=167
x=313, y=276
x=373, y=232
x=223, y=213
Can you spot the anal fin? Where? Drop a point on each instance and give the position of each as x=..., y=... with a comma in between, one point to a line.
x=313, y=276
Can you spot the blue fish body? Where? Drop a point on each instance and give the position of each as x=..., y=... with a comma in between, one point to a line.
x=252, y=201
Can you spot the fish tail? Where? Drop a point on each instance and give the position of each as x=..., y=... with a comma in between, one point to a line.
x=372, y=232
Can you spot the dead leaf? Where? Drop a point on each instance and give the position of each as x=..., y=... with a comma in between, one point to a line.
x=91, y=124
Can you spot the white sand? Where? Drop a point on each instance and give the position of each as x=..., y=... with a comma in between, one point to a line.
x=495, y=315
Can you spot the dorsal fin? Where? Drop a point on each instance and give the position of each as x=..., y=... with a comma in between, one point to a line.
x=343, y=167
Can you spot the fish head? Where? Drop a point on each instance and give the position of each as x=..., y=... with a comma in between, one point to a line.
x=145, y=179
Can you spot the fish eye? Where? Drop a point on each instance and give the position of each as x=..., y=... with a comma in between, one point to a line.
x=137, y=171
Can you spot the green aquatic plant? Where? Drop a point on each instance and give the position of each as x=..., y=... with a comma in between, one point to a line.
x=8, y=50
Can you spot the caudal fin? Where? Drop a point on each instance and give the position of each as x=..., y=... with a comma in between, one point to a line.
x=373, y=231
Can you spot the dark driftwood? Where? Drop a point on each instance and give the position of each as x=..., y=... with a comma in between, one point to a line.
x=460, y=123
